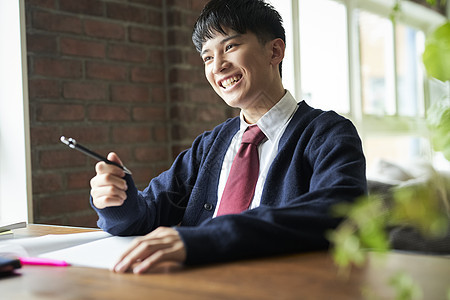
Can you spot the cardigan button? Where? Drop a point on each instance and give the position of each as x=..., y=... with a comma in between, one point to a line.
x=208, y=206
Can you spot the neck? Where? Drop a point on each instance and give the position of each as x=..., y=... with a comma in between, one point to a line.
x=263, y=104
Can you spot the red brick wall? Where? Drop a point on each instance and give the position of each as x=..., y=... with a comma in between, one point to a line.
x=118, y=76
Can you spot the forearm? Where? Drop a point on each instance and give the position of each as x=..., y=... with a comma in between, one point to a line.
x=250, y=235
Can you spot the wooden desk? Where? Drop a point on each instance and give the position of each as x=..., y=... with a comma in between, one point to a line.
x=300, y=276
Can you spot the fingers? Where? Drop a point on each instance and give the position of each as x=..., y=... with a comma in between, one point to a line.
x=162, y=245
x=164, y=255
x=108, y=188
x=102, y=167
x=108, y=196
x=108, y=179
x=112, y=156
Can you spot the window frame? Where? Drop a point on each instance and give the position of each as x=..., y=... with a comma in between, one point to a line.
x=15, y=156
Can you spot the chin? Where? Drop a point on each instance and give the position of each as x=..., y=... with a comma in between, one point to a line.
x=233, y=101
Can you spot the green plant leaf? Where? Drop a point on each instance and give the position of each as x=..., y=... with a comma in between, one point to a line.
x=419, y=206
x=363, y=229
x=436, y=56
x=440, y=133
x=405, y=287
x=347, y=247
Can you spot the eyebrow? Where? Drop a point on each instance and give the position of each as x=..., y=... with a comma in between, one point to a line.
x=223, y=42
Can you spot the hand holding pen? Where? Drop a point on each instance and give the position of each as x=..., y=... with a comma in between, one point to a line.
x=108, y=187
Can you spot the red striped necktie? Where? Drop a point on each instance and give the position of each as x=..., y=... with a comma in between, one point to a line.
x=240, y=187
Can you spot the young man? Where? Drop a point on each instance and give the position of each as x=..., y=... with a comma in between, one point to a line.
x=308, y=161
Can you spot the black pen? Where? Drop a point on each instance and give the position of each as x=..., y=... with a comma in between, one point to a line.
x=72, y=143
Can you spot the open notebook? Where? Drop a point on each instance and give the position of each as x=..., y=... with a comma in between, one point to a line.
x=96, y=249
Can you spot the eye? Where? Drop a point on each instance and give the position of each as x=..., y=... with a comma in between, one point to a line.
x=207, y=58
x=229, y=46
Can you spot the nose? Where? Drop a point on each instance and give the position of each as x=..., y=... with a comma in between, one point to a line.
x=220, y=64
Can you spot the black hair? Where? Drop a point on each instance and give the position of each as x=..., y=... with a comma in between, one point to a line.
x=255, y=16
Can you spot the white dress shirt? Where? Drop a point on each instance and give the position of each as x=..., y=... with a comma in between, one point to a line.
x=272, y=124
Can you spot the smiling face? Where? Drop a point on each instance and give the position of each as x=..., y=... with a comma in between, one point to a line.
x=244, y=72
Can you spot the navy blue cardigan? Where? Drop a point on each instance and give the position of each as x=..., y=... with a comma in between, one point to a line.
x=320, y=162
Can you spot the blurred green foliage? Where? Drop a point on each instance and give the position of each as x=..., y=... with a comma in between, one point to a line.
x=367, y=220
x=436, y=56
x=438, y=120
x=363, y=228
x=420, y=206
x=405, y=287
x=434, y=2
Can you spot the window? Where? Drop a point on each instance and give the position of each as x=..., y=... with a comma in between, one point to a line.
x=410, y=44
x=351, y=58
x=377, y=63
x=290, y=73
x=15, y=182
x=323, y=55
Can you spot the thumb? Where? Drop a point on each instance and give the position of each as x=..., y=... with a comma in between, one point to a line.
x=112, y=156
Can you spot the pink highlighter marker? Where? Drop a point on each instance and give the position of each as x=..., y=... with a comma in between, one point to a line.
x=37, y=261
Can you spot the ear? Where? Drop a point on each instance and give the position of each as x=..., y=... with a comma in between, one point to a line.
x=278, y=47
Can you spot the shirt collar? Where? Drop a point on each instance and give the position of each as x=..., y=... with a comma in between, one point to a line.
x=273, y=120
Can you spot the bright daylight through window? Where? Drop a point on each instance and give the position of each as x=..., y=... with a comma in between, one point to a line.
x=15, y=177
x=353, y=59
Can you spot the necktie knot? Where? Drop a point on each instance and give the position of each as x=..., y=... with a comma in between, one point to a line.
x=253, y=135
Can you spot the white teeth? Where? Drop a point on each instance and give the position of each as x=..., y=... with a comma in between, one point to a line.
x=230, y=81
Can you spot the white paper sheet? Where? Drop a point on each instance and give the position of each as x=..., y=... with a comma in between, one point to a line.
x=38, y=245
x=102, y=254
x=96, y=249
